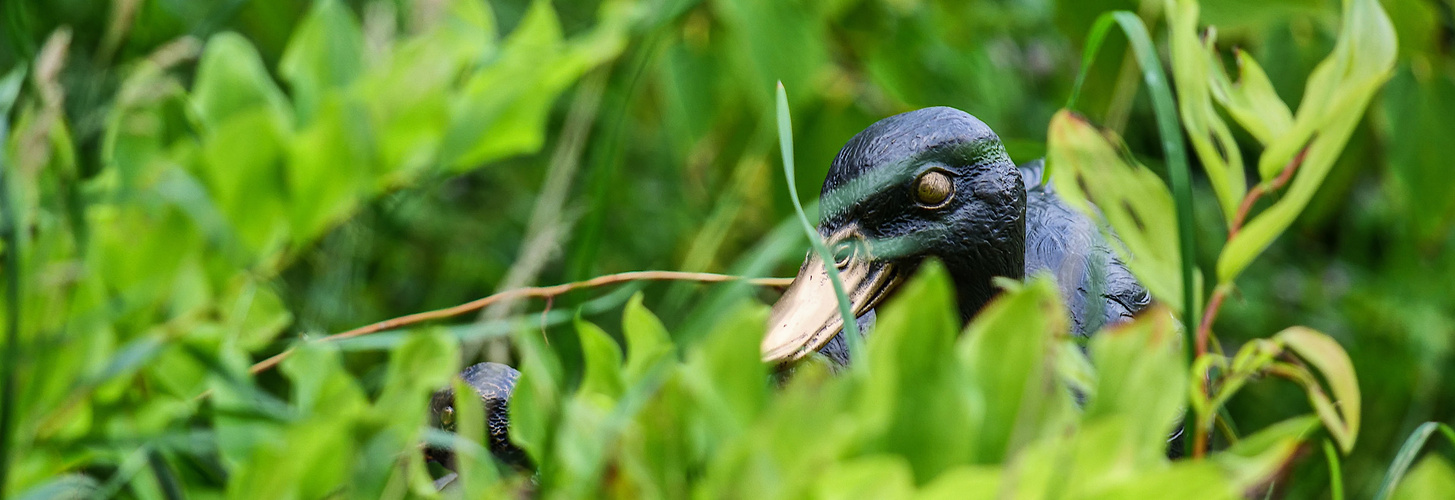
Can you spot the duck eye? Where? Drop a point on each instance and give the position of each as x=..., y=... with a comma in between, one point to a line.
x=843, y=252
x=447, y=417
x=933, y=189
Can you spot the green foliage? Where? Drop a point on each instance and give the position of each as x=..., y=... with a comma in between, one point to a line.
x=195, y=186
x=150, y=285
x=979, y=414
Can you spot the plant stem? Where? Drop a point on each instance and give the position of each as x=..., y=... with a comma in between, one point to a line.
x=1209, y=314
x=1258, y=191
x=538, y=291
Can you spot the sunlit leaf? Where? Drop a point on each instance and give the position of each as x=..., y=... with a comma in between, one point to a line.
x=603, y=373
x=647, y=341
x=910, y=398
x=1332, y=362
x=1091, y=170
x=1210, y=136
x=325, y=53
x=1007, y=354
x=1333, y=103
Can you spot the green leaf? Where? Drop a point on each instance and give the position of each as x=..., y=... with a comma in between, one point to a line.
x=473, y=463
x=963, y=483
x=503, y=108
x=1210, y=136
x=603, y=373
x=911, y=385
x=1325, y=354
x=535, y=404
x=1333, y=103
x=647, y=341
x=325, y=53
x=1147, y=393
x=1131, y=198
x=1008, y=357
x=231, y=80
x=424, y=363
x=1251, y=100
x=1258, y=457
x=877, y=476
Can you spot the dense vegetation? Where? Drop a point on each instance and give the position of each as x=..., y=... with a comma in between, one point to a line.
x=192, y=188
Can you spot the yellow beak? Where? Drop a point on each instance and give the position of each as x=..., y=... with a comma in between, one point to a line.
x=807, y=316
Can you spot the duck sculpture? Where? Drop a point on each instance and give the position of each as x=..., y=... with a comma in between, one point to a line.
x=937, y=183
x=931, y=183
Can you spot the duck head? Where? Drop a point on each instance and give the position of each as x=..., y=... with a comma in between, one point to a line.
x=935, y=182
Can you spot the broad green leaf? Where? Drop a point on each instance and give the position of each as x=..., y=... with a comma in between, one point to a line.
x=1332, y=362
x=1091, y=170
x=254, y=312
x=963, y=482
x=886, y=477
x=325, y=53
x=1250, y=100
x=1210, y=136
x=725, y=374
x=1008, y=357
x=231, y=79
x=647, y=341
x=603, y=373
x=1333, y=103
x=910, y=398
x=423, y=364
x=535, y=404
x=332, y=162
x=1148, y=394
x=1258, y=457
x=502, y=109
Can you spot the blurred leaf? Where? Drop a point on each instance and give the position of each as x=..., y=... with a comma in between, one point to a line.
x=603, y=375
x=1326, y=355
x=472, y=461
x=1333, y=103
x=1007, y=356
x=962, y=483
x=534, y=405
x=1251, y=99
x=1150, y=393
x=1406, y=456
x=324, y=53
x=503, y=108
x=647, y=341
x=1133, y=200
x=879, y=476
x=911, y=396
x=1416, y=107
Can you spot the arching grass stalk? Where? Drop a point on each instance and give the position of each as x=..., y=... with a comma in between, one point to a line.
x=1169, y=127
x=785, y=144
x=10, y=232
x=1407, y=453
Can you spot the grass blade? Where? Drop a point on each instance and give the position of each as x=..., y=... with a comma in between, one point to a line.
x=785, y=144
x=1407, y=454
x=9, y=88
x=1169, y=127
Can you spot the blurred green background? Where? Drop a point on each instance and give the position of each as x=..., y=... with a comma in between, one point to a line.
x=657, y=150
